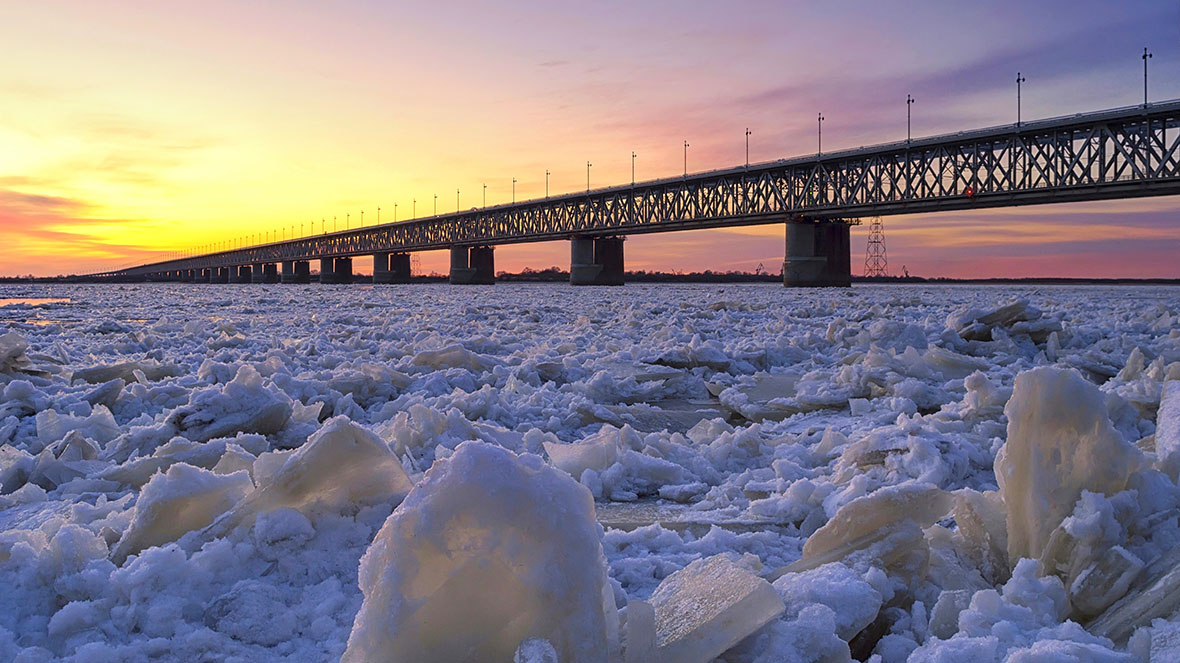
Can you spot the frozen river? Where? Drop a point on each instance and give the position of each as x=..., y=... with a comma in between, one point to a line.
x=742, y=418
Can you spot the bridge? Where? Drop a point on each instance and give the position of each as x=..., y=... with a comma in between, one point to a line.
x=1120, y=153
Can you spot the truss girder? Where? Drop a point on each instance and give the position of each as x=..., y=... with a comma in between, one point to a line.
x=1110, y=154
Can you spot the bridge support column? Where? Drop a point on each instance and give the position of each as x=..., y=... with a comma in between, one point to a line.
x=381, y=267
x=596, y=261
x=207, y=275
x=258, y=273
x=296, y=271
x=220, y=275
x=242, y=274
x=270, y=273
x=327, y=270
x=817, y=254
x=343, y=270
x=399, y=268
x=474, y=265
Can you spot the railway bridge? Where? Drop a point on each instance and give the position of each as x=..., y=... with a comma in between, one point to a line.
x=1120, y=153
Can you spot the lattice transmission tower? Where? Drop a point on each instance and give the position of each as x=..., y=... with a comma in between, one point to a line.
x=876, y=261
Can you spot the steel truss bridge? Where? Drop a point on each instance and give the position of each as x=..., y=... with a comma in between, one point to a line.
x=1121, y=153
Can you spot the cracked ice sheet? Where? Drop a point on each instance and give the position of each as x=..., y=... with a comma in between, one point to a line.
x=427, y=367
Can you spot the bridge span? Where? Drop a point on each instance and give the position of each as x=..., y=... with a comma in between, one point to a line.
x=1121, y=153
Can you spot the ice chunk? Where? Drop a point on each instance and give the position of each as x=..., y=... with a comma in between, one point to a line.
x=341, y=464
x=489, y=549
x=128, y=371
x=13, y=360
x=894, y=515
x=854, y=600
x=1155, y=595
x=1158, y=643
x=1060, y=442
x=944, y=618
x=709, y=606
x=535, y=650
x=640, y=643
x=454, y=356
x=596, y=452
x=99, y=425
x=185, y=498
x=242, y=405
x=1104, y=581
x=1018, y=317
x=981, y=521
x=1167, y=430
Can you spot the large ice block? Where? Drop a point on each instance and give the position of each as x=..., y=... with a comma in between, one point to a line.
x=709, y=606
x=341, y=463
x=488, y=550
x=1060, y=442
x=183, y=499
x=1167, y=430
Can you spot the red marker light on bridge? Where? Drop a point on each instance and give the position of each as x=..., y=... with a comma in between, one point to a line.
x=970, y=192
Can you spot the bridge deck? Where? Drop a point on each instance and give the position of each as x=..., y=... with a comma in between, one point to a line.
x=1121, y=153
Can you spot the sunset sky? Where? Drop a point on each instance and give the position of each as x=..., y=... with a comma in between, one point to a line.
x=133, y=128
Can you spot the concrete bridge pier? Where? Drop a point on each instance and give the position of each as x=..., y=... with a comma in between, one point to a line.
x=596, y=261
x=296, y=271
x=207, y=275
x=399, y=268
x=391, y=267
x=243, y=274
x=270, y=273
x=381, y=267
x=327, y=270
x=220, y=275
x=342, y=270
x=475, y=265
x=817, y=254
x=258, y=273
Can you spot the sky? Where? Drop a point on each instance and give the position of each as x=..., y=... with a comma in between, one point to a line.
x=131, y=129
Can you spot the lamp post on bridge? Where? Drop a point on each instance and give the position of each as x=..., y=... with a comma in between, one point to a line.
x=415, y=208
x=456, y=200
x=686, y=158
x=378, y=215
x=362, y=218
x=748, y=132
x=546, y=182
x=819, y=148
x=1019, y=79
x=633, y=155
x=1146, y=57
x=909, y=101
x=436, y=204
x=395, y=212
x=588, y=164
x=485, y=194
x=514, y=190
x=347, y=220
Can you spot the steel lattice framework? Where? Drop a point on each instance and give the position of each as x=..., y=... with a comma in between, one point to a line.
x=876, y=258
x=1121, y=153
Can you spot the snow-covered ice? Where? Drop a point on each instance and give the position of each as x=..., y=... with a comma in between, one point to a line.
x=264, y=473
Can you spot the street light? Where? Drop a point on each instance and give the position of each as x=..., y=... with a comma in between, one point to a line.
x=395, y=212
x=819, y=147
x=456, y=200
x=436, y=204
x=1146, y=56
x=546, y=182
x=633, y=155
x=747, y=147
x=378, y=216
x=415, y=208
x=686, y=158
x=347, y=220
x=514, y=190
x=1019, y=79
x=588, y=164
x=485, y=194
x=362, y=218
x=909, y=101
